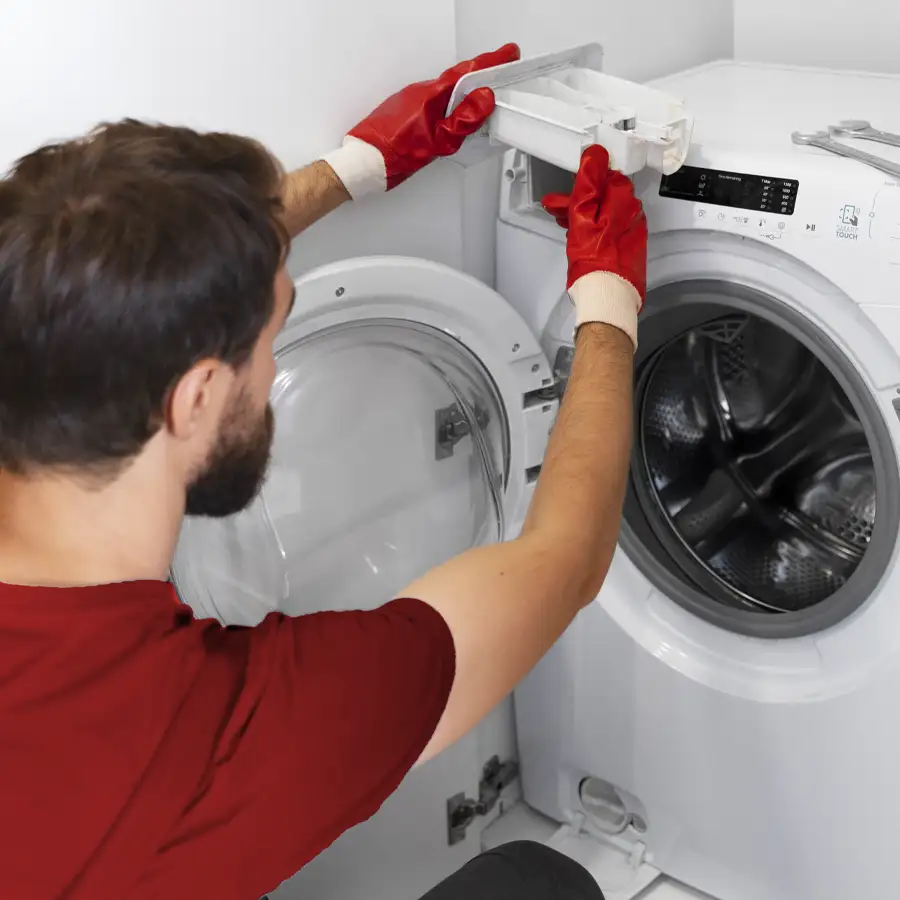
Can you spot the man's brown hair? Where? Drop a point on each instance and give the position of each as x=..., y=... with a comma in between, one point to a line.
x=126, y=257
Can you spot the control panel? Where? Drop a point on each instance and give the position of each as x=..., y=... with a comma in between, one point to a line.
x=856, y=210
x=738, y=190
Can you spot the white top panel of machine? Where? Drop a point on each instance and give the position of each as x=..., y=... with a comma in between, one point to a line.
x=756, y=107
x=745, y=174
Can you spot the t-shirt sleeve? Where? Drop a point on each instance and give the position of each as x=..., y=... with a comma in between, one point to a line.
x=334, y=710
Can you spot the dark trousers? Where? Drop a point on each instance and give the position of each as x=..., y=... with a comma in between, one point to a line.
x=522, y=870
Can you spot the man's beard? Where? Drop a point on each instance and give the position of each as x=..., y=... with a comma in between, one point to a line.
x=236, y=467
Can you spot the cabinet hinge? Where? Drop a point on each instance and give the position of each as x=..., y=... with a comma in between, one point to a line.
x=463, y=810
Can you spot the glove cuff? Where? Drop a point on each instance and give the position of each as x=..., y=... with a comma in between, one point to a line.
x=360, y=167
x=608, y=298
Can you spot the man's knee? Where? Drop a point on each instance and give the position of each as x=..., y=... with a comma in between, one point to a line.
x=522, y=870
x=544, y=865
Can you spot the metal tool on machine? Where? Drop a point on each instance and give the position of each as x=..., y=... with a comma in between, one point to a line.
x=824, y=141
x=863, y=130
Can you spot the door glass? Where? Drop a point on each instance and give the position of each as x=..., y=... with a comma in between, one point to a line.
x=390, y=456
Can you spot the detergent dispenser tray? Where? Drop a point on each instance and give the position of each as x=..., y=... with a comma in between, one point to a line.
x=554, y=106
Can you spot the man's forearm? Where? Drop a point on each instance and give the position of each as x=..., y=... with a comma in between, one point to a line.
x=311, y=193
x=578, y=502
x=532, y=587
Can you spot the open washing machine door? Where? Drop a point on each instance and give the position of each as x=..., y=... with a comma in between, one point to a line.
x=412, y=408
x=412, y=413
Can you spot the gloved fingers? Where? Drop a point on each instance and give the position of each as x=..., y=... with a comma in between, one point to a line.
x=466, y=119
x=620, y=206
x=618, y=180
x=506, y=54
x=609, y=200
x=587, y=192
x=590, y=186
x=558, y=207
x=620, y=190
x=593, y=171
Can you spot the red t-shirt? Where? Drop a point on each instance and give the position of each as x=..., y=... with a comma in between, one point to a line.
x=144, y=754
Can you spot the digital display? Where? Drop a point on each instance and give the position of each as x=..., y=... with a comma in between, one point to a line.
x=759, y=193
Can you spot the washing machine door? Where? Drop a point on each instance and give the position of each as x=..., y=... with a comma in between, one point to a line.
x=412, y=407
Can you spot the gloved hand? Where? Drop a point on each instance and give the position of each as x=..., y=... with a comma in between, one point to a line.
x=606, y=244
x=411, y=129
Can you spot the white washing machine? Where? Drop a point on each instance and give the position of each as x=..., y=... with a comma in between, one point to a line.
x=721, y=713
x=726, y=706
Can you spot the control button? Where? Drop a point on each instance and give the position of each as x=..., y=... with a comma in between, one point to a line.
x=812, y=229
x=847, y=227
x=884, y=218
x=850, y=215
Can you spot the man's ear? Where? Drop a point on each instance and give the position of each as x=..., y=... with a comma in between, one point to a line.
x=195, y=403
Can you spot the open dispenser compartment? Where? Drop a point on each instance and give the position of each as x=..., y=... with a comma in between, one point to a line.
x=554, y=106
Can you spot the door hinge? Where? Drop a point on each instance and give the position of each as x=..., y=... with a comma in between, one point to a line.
x=463, y=810
x=451, y=425
x=562, y=369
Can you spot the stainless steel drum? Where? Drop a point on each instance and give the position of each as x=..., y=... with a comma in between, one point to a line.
x=752, y=466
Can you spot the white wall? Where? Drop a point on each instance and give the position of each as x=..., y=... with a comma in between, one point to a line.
x=642, y=38
x=292, y=74
x=838, y=34
x=296, y=75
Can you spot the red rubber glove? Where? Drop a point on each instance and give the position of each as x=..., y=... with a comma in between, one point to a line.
x=411, y=128
x=606, y=244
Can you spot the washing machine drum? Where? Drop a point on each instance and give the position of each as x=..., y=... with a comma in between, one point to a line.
x=752, y=474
